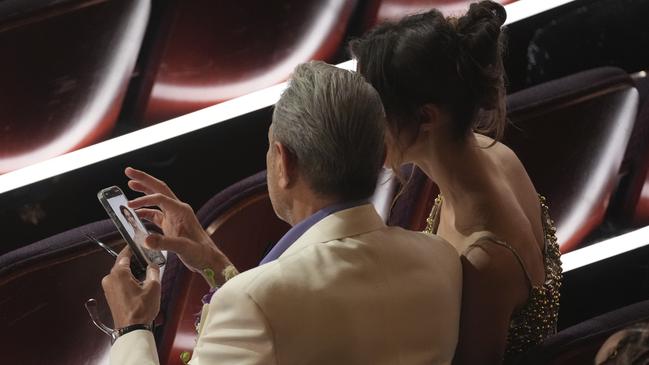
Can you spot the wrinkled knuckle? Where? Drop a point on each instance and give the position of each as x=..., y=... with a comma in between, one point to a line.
x=186, y=207
x=106, y=282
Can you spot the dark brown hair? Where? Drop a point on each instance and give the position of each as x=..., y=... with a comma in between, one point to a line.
x=454, y=63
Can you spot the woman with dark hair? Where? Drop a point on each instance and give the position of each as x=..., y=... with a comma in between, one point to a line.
x=138, y=234
x=442, y=84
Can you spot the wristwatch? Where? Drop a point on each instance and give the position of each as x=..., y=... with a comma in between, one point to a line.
x=119, y=332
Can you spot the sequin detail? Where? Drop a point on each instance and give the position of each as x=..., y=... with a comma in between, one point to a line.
x=537, y=318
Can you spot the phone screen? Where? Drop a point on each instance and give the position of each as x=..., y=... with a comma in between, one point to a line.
x=130, y=223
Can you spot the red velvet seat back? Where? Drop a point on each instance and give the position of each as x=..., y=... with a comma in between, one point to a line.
x=65, y=68
x=414, y=201
x=634, y=207
x=217, y=50
x=640, y=204
x=571, y=135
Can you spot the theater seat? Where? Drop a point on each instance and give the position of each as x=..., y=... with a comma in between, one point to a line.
x=579, y=344
x=43, y=288
x=217, y=50
x=571, y=135
x=633, y=209
x=66, y=66
x=241, y=220
x=641, y=205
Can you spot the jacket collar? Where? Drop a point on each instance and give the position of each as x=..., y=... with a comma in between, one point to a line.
x=345, y=223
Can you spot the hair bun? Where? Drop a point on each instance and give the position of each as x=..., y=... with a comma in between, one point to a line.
x=486, y=11
x=480, y=48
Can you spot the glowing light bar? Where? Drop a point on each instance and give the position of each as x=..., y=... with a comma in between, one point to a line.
x=605, y=249
x=191, y=122
x=521, y=9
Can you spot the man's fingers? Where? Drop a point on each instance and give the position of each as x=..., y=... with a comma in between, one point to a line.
x=149, y=182
x=139, y=187
x=175, y=244
x=121, y=269
x=155, y=200
x=152, y=215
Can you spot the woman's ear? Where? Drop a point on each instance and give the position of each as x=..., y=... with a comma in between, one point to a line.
x=430, y=117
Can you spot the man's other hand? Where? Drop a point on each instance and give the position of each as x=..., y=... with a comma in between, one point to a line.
x=130, y=301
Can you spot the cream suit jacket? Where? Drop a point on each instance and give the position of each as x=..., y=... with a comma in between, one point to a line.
x=350, y=290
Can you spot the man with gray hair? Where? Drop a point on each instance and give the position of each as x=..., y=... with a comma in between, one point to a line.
x=340, y=287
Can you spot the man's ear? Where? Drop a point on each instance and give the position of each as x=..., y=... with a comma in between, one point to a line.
x=285, y=164
x=430, y=117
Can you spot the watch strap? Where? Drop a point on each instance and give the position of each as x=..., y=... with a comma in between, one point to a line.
x=119, y=332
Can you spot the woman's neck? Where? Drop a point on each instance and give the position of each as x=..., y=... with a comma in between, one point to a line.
x=465, y=176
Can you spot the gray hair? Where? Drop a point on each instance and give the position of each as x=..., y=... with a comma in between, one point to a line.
x=332, y=120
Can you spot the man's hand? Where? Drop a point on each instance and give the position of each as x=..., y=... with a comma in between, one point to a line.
x=130, y=301
x=183, y=233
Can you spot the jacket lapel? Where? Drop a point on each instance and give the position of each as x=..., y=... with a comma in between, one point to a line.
x=345, y=223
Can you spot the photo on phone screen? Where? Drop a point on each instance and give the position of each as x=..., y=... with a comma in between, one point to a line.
x=113, y=199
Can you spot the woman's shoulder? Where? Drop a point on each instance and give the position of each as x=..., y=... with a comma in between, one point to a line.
x=514, y=175
x=503, y=155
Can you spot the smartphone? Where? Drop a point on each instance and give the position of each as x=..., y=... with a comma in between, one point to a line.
x=129, y=226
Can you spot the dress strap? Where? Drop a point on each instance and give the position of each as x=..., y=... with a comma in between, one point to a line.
x=492, y=239
x=432, y=222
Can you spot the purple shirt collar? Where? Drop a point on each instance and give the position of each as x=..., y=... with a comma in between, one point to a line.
x=298, y=230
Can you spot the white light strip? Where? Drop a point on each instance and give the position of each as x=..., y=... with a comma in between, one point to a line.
x=522, y=9
x=146, y=136
x=605, y=249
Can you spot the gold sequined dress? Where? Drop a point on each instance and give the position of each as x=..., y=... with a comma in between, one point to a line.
x=537, y=318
